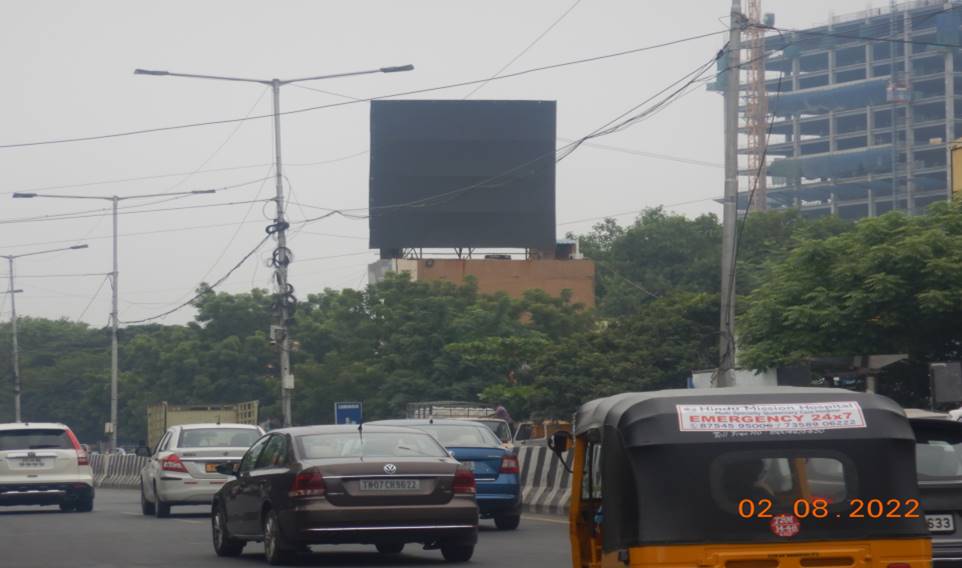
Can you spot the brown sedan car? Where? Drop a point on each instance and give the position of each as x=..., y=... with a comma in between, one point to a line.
x=380, y=485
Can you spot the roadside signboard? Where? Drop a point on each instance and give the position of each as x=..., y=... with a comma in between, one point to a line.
x=348, y=412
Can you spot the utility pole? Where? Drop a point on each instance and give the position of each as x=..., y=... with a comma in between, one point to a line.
x=115, y=273
x=282, y=255
x=726, y=342
x=114, y=324
x=17, y=413
x=282, y=258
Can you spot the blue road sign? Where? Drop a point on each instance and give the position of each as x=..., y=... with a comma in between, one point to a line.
x=348, y=412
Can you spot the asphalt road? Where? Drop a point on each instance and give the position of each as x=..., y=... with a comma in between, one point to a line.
x=115, y=534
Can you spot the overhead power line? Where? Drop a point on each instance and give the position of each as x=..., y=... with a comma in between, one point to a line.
x=67, y=217
x=526, y=49
x=352, y=102
x=207, y=289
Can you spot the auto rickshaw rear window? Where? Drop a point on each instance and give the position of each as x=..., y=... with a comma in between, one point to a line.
x=780, y=481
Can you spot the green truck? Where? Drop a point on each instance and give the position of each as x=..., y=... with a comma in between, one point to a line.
x=161, y=416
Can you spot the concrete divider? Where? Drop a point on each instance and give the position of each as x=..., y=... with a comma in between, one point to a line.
x=117, y=470
x=545, y=482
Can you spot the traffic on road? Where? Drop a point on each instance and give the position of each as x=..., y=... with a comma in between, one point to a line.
x=821, y=473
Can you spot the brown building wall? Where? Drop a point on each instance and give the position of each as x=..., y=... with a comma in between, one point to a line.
x=513, y=276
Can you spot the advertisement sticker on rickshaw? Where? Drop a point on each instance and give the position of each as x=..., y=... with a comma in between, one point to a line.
x=785, y=526
x=781, y=418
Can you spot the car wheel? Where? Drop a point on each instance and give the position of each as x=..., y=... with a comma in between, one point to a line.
x=457, y=552
x=146, y=507
x=84, y=505
x=224, y=545
x=507, y=522
x=161, y=509
x=277, y=551
x=67, y=506
x=390, y=548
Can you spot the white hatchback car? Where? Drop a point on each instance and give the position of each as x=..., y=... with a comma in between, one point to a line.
x=183, y=467
x=42, y=463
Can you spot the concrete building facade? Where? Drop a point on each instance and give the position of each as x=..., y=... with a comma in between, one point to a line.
x=864, y=111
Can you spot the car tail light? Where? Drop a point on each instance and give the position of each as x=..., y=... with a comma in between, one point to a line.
x=509, y=464
x=173, y=463
x=464, y=482
x=308, y=483
x=82, y=457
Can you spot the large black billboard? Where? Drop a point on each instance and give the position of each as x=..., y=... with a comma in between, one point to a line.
x=449, y=174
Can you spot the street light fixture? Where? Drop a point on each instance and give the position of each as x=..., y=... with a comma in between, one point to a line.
x=114, y=316
x=282, y=256
x=13, y=320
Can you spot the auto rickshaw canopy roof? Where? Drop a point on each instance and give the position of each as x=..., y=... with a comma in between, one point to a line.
x=660, y=417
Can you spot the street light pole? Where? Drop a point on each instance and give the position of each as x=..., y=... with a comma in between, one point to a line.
x=282, y=256
x=114, y=278
x=114, y=323
x=17, y=413
x=16, y=347
x=283, y=259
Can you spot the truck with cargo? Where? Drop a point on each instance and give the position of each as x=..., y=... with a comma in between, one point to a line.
x=454, y=410
x=161, y=416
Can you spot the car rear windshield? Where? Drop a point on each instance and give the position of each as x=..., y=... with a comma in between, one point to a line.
x=938, y=460
x=459, y=436
x=218, y=438
x=35, y=439
x=369, y=445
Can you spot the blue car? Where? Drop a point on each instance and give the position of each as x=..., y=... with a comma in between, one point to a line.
x=496, y=470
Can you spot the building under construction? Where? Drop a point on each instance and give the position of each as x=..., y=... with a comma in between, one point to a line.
x=855, y=117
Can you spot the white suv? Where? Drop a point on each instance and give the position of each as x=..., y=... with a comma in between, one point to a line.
x=42, y=463
x=183, y=468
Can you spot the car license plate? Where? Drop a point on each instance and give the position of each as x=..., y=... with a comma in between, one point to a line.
x=211, y=467
x=31, y=463
x=390, y=484
x=940, y=523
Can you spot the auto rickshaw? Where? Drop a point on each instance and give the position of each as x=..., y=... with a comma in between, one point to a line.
x=770, y=477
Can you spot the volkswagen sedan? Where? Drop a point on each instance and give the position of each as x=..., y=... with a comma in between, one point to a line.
x=385, y=486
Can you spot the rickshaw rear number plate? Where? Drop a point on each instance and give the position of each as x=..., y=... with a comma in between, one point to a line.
x=940, y=523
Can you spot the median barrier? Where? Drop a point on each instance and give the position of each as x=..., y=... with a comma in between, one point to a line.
x=117, y=470
x=545, y=482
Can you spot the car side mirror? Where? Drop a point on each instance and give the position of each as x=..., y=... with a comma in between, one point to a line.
x=558, y=442
x=228, y=469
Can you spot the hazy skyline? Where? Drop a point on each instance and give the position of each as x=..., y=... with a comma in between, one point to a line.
x=71, y=66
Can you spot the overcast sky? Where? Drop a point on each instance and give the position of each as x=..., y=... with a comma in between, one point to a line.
x=68, y=72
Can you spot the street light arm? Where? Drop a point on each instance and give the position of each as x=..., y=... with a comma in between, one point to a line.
x=117, y=197
x=61, y=249
x=193, y=76
x=351, y=74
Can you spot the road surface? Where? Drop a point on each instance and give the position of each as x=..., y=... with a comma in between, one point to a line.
x=116, y=535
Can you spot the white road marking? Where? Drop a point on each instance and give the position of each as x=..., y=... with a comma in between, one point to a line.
x=540, y=519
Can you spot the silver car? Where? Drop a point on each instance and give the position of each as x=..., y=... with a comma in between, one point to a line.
x=183, y=467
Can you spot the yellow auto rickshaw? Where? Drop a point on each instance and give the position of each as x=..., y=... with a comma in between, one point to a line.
x=772, y=477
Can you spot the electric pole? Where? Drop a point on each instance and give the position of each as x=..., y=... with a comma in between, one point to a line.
x=726, y=344
x=115, y=273
x=285, y=301
x=18, y=415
